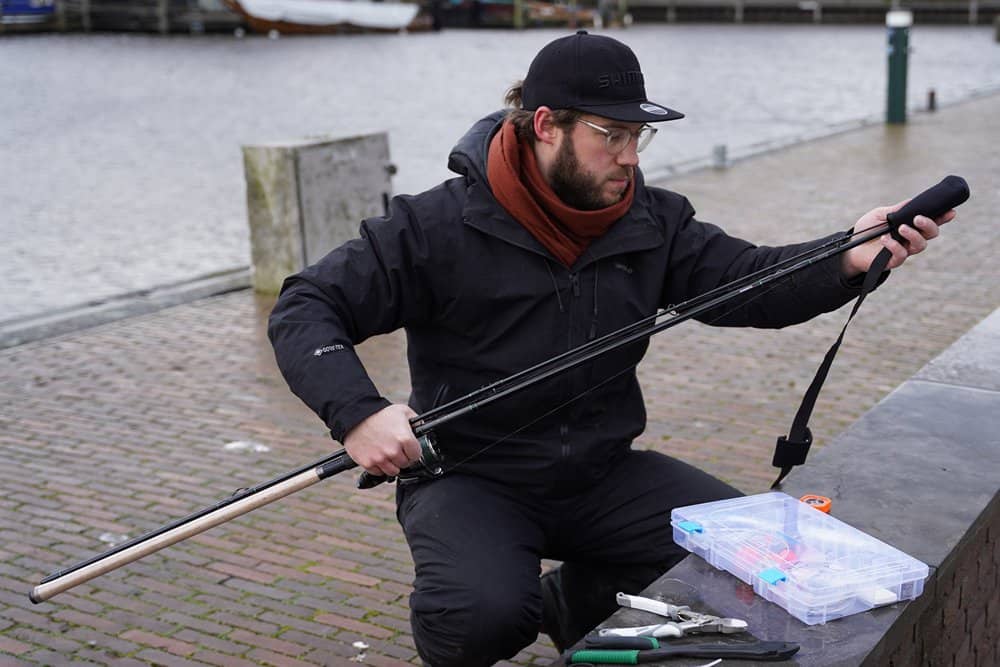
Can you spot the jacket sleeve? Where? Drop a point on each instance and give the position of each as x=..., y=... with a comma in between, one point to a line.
x=704, y=257
x=368, y=286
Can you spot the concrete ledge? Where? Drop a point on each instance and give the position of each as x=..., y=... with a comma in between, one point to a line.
x=920, y=471
x=64, y=320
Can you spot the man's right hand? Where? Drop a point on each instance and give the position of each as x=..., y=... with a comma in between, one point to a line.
x=384, y=443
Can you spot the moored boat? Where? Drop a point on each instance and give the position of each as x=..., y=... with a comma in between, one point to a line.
x=327, y=16
x=500, y=14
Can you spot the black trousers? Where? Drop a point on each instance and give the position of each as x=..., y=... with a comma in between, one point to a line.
x=477, y=547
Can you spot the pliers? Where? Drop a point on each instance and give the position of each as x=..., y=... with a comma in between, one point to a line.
x=631, y=646
x=684, y=621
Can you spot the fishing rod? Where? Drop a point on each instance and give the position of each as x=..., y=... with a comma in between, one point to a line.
x=934, y=202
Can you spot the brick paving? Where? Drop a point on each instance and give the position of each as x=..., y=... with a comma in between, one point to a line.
x=115, y=430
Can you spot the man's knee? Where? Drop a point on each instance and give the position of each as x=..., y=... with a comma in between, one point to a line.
x=481, y=628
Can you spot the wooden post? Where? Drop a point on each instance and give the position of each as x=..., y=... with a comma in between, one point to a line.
x=85, y=15
x=162, y=22
x=61, y=16
x=518, y=14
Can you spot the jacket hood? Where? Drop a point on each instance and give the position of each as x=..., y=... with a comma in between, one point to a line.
x=468, y=157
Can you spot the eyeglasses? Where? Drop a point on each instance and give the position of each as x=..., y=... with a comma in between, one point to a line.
x=616, y=139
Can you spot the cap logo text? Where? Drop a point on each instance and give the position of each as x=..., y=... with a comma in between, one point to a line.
x=626, y=78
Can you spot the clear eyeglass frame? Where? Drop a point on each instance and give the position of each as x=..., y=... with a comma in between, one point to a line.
x=616, y=139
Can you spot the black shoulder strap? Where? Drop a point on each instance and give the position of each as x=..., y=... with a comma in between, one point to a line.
x=791, y=450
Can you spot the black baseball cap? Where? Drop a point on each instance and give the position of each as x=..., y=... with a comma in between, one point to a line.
x=591, y=73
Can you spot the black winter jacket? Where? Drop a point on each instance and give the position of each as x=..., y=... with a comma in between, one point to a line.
x=481, y=299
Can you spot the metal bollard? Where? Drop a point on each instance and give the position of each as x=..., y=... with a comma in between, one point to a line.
x=898, y=21
x=931, y=100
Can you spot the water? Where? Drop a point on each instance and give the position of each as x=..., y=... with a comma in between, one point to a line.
x=120, y=164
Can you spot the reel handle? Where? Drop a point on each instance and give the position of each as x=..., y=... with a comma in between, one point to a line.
x=429, y=465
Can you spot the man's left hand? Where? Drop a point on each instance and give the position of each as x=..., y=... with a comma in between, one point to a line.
x=857, y=260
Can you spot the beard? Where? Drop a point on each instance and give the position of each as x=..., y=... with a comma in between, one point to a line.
x=574, y=186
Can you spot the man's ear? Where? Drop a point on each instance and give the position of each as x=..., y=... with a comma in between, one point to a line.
x=545, y=126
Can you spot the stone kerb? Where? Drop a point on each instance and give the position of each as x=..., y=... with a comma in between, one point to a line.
x=920, y=471
x=306, y=197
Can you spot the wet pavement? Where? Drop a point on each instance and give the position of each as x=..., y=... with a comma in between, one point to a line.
x=120, y=165
x=114, y=430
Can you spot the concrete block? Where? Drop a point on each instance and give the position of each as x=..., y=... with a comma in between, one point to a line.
x=305, y=198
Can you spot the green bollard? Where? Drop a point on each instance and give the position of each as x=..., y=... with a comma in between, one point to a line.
x=898, y=21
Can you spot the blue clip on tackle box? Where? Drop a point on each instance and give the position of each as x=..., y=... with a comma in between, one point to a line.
x=811, y=564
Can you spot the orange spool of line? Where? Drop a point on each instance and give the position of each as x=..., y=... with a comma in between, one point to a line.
x=822, y=503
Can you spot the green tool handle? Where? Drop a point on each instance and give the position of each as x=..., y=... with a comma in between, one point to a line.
x=768, y=651
x=604, y=657
x=610, y=641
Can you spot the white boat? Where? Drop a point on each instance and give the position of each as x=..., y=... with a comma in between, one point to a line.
x=311, y=16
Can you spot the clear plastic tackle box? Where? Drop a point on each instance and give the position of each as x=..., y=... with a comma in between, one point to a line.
x=813, y=565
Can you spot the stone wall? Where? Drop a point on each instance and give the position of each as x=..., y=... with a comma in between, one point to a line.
x=957, y=620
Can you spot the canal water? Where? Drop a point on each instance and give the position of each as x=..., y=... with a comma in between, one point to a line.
x=120, y=164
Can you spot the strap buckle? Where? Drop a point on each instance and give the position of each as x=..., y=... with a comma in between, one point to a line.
x=792, y=452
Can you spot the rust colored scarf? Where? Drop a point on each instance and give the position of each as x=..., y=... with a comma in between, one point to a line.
x=519, y=187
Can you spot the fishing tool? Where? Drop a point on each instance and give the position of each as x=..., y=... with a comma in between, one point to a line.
x=683, y=621
x=627, y=653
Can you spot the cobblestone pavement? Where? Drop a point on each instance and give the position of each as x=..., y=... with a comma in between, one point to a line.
x=117, y=429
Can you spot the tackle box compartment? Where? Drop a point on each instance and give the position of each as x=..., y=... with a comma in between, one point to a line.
x=813, y=565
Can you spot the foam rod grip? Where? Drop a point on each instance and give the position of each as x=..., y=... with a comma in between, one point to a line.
x=933, y=202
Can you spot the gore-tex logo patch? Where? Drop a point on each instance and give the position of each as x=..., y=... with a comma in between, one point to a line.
x=320, y=351
x=626, y=78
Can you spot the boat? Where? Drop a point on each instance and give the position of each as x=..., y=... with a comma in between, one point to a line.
x=20, y=12
x=328, y=16
x=500, y=14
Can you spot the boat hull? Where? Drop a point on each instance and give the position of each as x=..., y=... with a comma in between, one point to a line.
x=334, y=17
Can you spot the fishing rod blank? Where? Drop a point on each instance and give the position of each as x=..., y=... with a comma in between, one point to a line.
x=933, y=202
x=236, y=505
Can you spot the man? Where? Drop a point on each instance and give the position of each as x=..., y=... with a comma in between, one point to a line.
x=548, y=239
